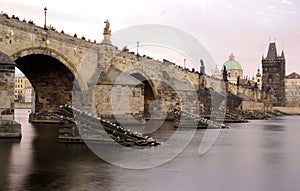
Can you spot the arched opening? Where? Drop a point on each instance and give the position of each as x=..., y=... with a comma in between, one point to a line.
x=148, y=91
x=51, y=79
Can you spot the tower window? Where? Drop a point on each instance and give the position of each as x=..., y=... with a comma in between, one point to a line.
x=270, y=78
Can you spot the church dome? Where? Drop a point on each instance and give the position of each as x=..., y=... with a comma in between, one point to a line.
x=232, y=64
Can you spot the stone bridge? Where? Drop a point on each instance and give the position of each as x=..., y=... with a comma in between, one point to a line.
x=97, y=77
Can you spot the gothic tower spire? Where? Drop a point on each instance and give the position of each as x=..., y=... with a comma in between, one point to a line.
x=272, y=52
x=282, y=54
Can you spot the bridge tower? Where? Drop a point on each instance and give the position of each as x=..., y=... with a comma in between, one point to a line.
x=273, y=78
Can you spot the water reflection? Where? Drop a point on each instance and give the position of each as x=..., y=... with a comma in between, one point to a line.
x=274, y=127
x=250, y=156
x=5, y=161
x=39, y=162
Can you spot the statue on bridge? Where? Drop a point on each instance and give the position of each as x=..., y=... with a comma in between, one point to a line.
x=202, y=67
x=106, y=29
x=238, y=81
x=225, y=75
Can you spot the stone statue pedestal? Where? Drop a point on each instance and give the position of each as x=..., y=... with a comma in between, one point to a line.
x=106, y=38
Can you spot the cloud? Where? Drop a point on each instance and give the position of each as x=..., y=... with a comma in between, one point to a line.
x=286, y=2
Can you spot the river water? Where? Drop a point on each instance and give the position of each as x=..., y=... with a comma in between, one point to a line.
x=259, y=155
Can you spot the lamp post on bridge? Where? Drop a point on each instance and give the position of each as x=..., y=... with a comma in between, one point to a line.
x=137, y=47
x=45, y=12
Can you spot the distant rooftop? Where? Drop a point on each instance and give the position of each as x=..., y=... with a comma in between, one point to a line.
x=293, y=75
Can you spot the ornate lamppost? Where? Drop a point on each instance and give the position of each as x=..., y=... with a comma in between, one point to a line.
x=45, y=12
x=137, y=47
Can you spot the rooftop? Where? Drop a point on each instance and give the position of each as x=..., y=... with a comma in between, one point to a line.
x=293, y=75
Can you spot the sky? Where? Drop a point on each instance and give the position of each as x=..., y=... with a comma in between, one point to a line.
x=242, y=27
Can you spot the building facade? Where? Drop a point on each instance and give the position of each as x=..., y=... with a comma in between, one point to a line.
x=23, y=90
x=273, y=77
x=292, y=91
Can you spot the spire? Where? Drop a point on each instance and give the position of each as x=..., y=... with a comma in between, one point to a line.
x=272, y=52
x=282, y=54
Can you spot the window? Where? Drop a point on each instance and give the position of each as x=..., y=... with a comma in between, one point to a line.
x=270, y=78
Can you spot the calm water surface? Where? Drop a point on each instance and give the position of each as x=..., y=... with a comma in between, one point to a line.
x=259, y=155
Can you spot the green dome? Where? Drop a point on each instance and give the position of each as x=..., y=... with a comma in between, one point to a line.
x=232, y=64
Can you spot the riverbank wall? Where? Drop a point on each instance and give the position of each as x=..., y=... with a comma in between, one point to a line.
x=288, y=110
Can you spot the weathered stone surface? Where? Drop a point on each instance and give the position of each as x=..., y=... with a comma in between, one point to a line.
x=7, y=69
x=10, y=129
x=5, y=59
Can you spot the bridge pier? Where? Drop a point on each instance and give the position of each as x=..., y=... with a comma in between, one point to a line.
x=8, y=127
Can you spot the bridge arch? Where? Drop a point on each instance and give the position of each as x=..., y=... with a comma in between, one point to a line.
x=144, y=77
x=45, y=51
x=51, y=74
x=147, y=82
x=149, y=90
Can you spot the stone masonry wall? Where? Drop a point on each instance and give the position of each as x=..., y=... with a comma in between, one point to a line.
x=7, y=75
x=17, y=36
x=119, y=100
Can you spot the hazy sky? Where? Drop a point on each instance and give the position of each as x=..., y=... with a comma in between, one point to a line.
x=222, y=26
